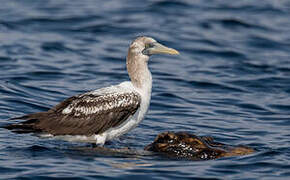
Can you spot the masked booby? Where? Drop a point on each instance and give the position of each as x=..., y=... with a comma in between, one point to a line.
x=105, y=113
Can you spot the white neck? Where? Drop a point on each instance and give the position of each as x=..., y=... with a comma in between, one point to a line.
x=137, y=67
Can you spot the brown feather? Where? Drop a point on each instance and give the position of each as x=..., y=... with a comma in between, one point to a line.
x=55, y=122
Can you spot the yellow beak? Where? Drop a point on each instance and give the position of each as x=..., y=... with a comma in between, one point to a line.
x=161, y=49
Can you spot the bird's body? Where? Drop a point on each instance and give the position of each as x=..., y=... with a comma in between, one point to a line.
x=105, y=113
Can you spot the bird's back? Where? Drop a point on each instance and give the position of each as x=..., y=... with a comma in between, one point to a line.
x=86, y=114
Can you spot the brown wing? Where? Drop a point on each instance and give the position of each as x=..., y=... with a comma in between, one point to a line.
x=85, y=114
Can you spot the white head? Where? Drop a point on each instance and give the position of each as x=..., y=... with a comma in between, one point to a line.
x=138, y=55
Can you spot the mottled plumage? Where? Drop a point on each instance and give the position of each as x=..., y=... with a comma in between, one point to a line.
x=85, y=118
x=85, y=114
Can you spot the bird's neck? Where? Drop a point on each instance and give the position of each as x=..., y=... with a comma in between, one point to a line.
x=137, y=67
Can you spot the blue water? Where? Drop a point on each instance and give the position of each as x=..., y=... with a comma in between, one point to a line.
x=230, y=81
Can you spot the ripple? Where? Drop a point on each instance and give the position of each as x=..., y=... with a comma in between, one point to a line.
x=46, y=22
x=266, y=42
x=226, y=54
x=215, y=86
x=175, y=4
x=234, y=24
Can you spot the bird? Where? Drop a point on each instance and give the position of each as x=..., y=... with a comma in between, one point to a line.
x=106, y=113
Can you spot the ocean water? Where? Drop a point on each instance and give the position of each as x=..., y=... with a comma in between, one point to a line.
x=230, y=81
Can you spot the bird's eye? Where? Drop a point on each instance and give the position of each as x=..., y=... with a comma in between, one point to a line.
x=149, y=45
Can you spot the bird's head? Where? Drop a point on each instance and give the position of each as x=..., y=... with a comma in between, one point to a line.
x=138, y=55
x=147, y=46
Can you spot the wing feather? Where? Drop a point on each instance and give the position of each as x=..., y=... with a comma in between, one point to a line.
x=86, y=114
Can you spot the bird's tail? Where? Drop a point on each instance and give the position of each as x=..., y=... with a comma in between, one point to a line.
x=19, y=117
x=22, y=127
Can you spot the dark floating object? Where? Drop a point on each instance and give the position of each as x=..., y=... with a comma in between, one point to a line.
x=189, y=146
x=179, y=145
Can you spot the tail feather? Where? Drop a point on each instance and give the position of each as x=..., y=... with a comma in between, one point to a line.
x=19, y=117
x=27, y=126
x=18, y=126
x=25, y=131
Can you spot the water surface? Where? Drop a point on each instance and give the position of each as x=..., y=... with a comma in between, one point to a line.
x=231, y=81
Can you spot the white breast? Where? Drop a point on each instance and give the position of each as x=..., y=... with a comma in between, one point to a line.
x=134, y=120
